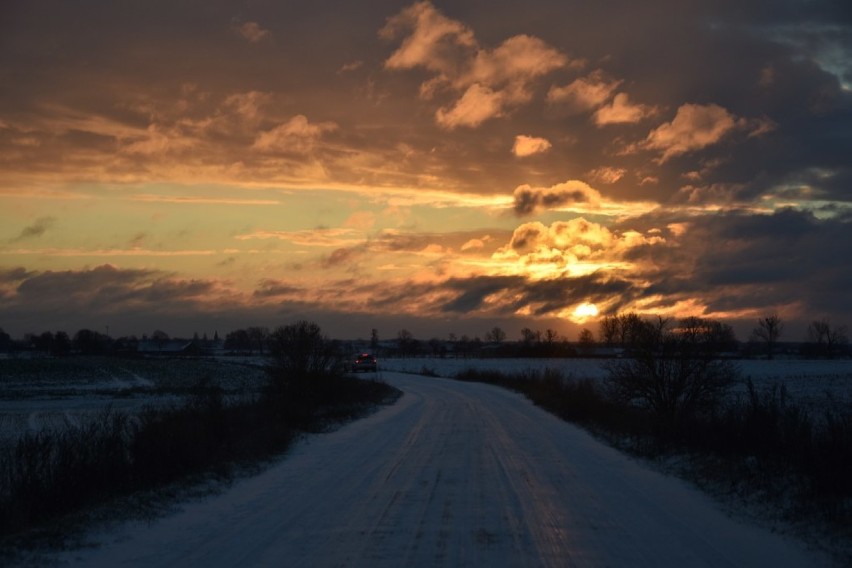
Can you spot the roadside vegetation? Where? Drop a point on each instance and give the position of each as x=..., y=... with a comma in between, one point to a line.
x=669, y=399
x=50, y=473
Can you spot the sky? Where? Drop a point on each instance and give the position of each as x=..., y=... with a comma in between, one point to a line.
x=440, y=167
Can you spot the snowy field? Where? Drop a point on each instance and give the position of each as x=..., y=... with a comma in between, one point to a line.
x=816, y=384
x=57, y=393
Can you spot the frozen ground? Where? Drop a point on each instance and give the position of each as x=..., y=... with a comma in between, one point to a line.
x=814, y=383
x=58, y=393
x=453, y=474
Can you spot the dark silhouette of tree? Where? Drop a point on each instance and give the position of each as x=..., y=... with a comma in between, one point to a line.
x=374, y=340
x=43, y=342
x=673, y=370
x=257, y=336
x=718, y=336
x=405, y=343
x=463, y=346
x=301, y=351
x=5, y=340
x=586, y=341
x=631, y=328
x=550, y=336
x=89, y=342
x=160, y=338
x=768, y=331
x=549, y=343
x=436, y=346
x=61, y=343
x=530, y=337
x=495, y=335
x=609, y=330
x=827, y=337
x=238, y=340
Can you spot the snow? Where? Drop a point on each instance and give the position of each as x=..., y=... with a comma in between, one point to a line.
x=816, y=384
x=453, y=474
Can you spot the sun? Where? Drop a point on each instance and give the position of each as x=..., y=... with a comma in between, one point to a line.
x=584, y=311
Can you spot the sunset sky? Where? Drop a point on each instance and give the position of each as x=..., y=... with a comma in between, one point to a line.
x=444, y=167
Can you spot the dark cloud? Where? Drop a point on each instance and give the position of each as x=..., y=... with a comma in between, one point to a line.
x=739, y=260
x=502, y=296
x=342, y=256
x=529, y=199
x=273, y=288
x=14, y=275
x=106, y=289
x=39, y=227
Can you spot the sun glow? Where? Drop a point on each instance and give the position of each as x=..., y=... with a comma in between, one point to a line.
x=583, y=312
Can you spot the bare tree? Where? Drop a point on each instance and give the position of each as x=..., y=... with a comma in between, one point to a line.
x=406, y=343
x=495, y=335
x=301, y=351
x=631, y=328
x=828, y=337
x=530, y=337
x=238, y=340
x=550, y=336
x=673, y=370
x=609, y=330
x=623, y=329
x=768, y=331
x=586, y=341
x=258, y=337
x=160, y=338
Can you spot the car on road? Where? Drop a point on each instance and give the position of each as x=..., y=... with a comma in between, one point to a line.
x=365, y=362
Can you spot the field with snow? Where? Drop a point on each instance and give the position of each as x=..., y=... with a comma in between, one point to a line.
x=815, y=384
x=56, y=393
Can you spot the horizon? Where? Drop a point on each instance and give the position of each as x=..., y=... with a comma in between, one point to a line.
x=442, y=167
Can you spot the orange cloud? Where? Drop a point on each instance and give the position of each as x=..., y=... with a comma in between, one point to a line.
x=530, y=145
x=584, y=94
x=296, y=136
x=478, y=104
x=567, y=248
x=433, y=42
x=606, y=174
x=621, y=111
x=487, y=83
x=694, y=127
x=252, y=32
x=475, y=244
x=574, y=247
x=112, y=252
x=313, y=237
x=360, y=220
x=148, y=198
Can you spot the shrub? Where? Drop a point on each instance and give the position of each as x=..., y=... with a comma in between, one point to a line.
x=674, y=372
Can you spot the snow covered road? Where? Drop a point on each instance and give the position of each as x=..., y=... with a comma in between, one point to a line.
x=453, y=474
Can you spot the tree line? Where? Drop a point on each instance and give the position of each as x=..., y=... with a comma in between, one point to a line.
x=616, y=333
